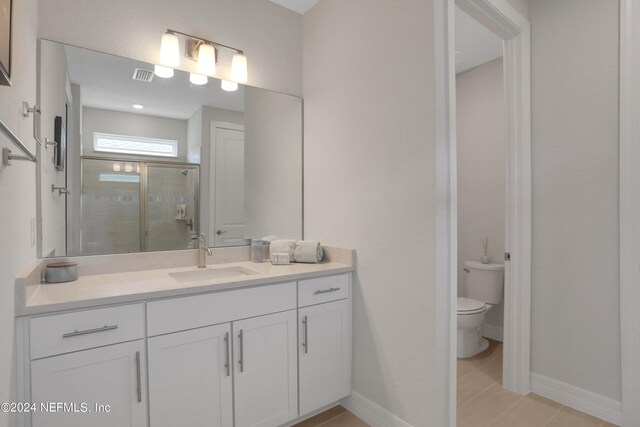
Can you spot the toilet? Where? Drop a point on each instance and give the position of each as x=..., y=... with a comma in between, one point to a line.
x=485, y=283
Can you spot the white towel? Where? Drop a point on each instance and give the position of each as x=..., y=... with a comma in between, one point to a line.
x=283, y=246
x=308, y=251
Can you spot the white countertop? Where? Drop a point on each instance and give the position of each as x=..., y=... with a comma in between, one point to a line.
x=103, y=289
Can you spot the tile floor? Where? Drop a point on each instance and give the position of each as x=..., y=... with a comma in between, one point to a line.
x=482, y=402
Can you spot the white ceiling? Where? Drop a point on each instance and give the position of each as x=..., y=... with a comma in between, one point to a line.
x=106, y=82
x=475, y=45
x=300, y=6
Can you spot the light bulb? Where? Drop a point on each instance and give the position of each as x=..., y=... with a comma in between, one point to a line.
x=239, y=68
x=162, y=71
x=170, y=50
x=207, y=59
x=198, y=79
x=229, y=86
x=116, y=167
x=128, y=167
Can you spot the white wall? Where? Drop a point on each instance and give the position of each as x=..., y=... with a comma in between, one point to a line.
x=121, y=123
x=55, y=92
x=270, y=35
x=370, y=184
x=575, y=276
x=17, y=190
x=273, y=164
x=481, y=144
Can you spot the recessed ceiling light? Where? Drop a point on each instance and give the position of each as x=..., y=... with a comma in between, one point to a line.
x=138, y=106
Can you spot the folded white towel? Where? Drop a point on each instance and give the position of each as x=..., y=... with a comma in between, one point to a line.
x=308, y=251
x=283, y=246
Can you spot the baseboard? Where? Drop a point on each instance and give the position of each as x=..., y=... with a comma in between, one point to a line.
x=577, y=398
x=492, y=331
x=372, y=413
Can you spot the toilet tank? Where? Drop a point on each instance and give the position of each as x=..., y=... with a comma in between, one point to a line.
x=484, y=281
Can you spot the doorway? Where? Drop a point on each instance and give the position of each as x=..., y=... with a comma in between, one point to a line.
x=510, y=26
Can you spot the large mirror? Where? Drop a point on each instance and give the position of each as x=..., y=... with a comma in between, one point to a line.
x=135, y=162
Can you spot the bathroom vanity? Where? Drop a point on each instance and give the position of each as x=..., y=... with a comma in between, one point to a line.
x=236, y=344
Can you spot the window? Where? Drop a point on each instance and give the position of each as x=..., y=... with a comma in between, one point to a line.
x=136, y=145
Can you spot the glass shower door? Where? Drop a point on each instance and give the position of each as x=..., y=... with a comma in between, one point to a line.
x=110, y=207
x=172, y=206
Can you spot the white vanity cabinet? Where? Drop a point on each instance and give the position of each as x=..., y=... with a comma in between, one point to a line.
x=190, y=378
x=258, y=356
x=265, y=370
x=66, y=370
x=324, y=342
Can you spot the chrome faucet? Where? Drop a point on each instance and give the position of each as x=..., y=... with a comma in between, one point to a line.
x=202, y=249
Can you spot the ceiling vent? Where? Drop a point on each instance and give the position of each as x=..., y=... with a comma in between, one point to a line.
x=143, y=75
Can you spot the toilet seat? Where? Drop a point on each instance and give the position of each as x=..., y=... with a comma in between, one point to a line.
x=467, y=306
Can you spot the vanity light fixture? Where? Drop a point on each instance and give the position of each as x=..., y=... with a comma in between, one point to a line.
x=170, y=50
x=228, y=86
x=204, y=52
x=198, y=79
x=162, y=71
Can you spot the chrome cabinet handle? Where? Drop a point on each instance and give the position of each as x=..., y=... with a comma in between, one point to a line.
x=138, y=377
x=326, y=291
x=219, y=232
x=89, y=331
x=305, y=342
x=226, y=353
x=241, y=358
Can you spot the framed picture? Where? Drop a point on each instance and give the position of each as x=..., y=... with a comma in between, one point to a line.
x=5, y=42
x=60, y=136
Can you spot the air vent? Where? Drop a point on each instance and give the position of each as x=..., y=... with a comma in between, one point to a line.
x=143, y=75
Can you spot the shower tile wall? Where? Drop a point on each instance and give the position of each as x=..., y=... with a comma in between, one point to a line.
x=110, y=207
x=167, y=188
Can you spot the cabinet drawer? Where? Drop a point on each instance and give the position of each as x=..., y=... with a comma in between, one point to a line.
x=179, y=314
x=323, y=289
x=64, y=333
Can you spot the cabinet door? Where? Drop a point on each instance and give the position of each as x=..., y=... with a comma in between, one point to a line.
x=190, y=378
x=265, y=370
x=325, y=354
x=113, y=375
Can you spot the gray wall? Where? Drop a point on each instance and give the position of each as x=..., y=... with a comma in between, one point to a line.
x=481, y=144
x=131, y=124
x=370, y=184
x=17, y=188
x=575, y=271
x=269, y=34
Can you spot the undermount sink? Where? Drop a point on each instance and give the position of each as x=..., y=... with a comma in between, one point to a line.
x=211, y=273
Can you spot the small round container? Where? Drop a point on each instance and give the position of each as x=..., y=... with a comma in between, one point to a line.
x=61, y=272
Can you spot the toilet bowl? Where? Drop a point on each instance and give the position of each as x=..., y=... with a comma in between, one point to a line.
x=471, y=314
x=485, y=283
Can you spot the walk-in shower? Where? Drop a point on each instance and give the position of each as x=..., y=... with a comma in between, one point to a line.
x=134, y=206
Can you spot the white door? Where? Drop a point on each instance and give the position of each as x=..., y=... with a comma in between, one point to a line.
x=265, y=370
x=113, y=375
x=190, y=378
x=228, y=199
x=324, y=354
